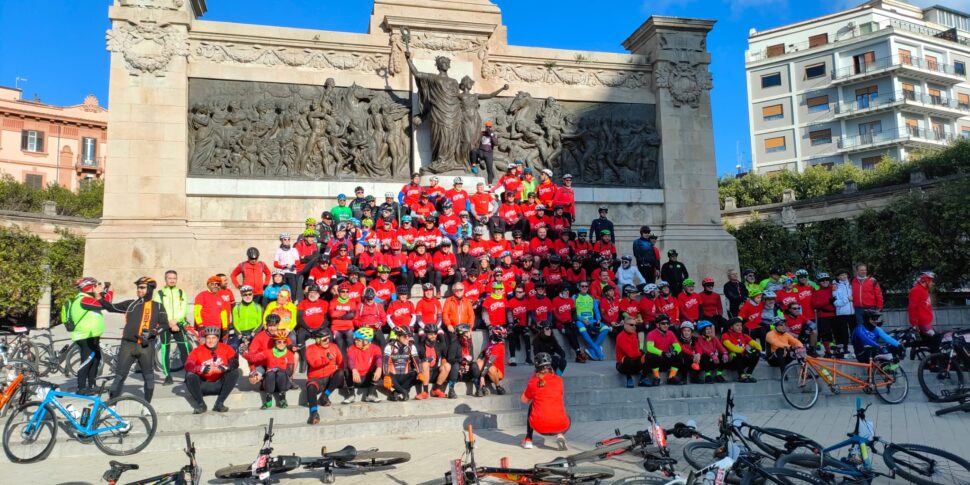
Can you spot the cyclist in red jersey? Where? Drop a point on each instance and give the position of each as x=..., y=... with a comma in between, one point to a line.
x=492, y=360
x=369, y=259
x=457, y=195
x=280, y=363
x=385, y=290
x=629, y=305
x=629, y=356
x=600, y=283
x=541, y=245
x=386, y=233
x=712, y=308
x=511, y=213
x=498, y=246
x=663, y=351
x=445, y=265
x=411, y=191
x=428, y=308
x=371, y=314
x=744, y=352
x=325, y=373
x=544, y=393
x=311, y=314
x=604, y=247
x=517, y=310
x=420, y=269
x=483, y=204
x=211, y=369
x=611, y=311
x=322, y=274
x=566, y=197
x=343, y=310
x=401, y=312
x=564, y=315
x=546, y=190
x=689, y=303
x=539, y=219
x=647, y=305
x=559, y=222
x=494, y=307
x=430, y=234
x=478, y=246
x=407, y=234
x=666, y=303
x=713, y=355
x=364, y=367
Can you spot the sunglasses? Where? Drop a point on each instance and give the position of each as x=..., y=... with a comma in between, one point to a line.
x=459, y=289
x=584, y=286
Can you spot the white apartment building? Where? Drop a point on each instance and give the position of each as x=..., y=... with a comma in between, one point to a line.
x=884, y=78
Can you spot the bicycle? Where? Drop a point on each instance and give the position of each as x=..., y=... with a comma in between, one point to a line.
x=18, y=344
x=348, y=458
x=941, y=375
x=65, y=360
x=917, y=463
x=800, y=388
x=111, y=424
x=189, y=474
x=465, y=471
x=175, y=362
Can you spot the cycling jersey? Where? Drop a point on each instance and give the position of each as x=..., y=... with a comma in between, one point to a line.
x=371, y=315
x=400, y=358
x=862, y=337
x=211, y=310
x=547, y=409
x=428, y=310
x=495, y=308
x=519, y=308
x=312, y=314
x=342, y=313
x=659, y=342
x=627, y=345
x=738, y=342
x=219, y=360
x=323, y=361
x=364, y=360
x=401, y=313
x=689, y=306
x=174, y=302
x=287, y=313
x=247, y=317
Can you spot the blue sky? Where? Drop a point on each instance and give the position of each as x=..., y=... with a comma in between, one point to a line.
x=62, y=53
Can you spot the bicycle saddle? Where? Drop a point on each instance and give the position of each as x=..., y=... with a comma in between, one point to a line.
x=346, y=454
x=117, y=465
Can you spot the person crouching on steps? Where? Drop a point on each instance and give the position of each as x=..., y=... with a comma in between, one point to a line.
x=544, y=394
x=211, y=369
x=492, y=360
x=280, y=363
x=325, y=374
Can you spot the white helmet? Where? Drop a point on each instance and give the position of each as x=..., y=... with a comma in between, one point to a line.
x=650, y=287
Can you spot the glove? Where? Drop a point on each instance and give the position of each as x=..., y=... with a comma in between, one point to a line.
x=206, y=368
x=254, y=378
x=223, y=369
x=388, y=383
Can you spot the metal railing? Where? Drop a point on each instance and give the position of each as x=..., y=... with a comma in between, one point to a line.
x=895, y=61
x=87, y=162
x=897, y=135
x=872, y=103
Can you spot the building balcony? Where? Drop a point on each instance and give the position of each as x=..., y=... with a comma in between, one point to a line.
x=909, y=101
x=89, y=165
x=912, y=137
x=913, y=67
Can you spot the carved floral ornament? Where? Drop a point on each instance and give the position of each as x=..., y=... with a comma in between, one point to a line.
x=229, y=53
x=146, y=46
x=437, y=44
x=685, y=80
x=154, y=4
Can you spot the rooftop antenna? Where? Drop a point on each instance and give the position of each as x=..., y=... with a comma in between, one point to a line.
x=16, y=81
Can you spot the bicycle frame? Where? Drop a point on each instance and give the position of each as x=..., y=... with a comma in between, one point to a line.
x=830, y=377
x=86, y=429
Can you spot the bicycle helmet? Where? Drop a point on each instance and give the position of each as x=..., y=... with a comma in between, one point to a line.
x=352, y=270
x=206, y=331
x=628, y=289
x=688, y=282
x=86, y=283
x=660, y=318
x=322, y=333
x=284, y=235
x=272, y=319
x=543, y=360
x=747, y=272
x=400, y=332
x=822, y=275
x=497, y=334
x=770, y=294
x=309, y=233
x=310, y=221
x=686, y=324
x=701, y=325
x=555, y=259
x=311, y=288
x=369, y=293
x=252, y=253
x=708, y=281
x=364, y=333
x=281, y=336
x=463, y=328
x=650, y=288
x=245, y=289
x=431, y=328
x=801, y=272
x=663, y=284
x=872, y=316
x=457, y=181
x=383, y=268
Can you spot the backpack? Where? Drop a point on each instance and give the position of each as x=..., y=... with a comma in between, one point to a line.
x=68, y=317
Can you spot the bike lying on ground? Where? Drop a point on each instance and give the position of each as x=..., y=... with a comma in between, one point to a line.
x=465, y=471
x=799, y=380
x=124, y=425
x=916, y=463
x=190, y=474
x=348, y=458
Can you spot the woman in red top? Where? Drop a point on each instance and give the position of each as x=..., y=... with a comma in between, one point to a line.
x=280, y=362
x=324, y=376
x=547, y=408
x=428, y=308
x=401, y=312
x=713, y=355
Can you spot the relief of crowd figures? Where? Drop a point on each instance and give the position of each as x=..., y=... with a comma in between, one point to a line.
x=599, y=143
x=256, y=129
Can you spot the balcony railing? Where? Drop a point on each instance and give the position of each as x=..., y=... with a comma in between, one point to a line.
x=895, y=136
x=87, y=163
x=885, y=63
x=873, y=103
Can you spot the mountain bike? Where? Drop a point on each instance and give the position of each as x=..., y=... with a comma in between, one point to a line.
x=124, y=425
x=799, y=380
x=348, y=458
x=188, y=475
x=917, y=463
x=946, y=374
x=465, y=471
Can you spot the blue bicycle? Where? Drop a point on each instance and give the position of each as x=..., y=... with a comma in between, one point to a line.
x=124, y=425
x=916, y=463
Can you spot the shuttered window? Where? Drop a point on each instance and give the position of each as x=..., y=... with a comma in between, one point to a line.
x=814, y=71
x=909, y=91
x=820, y=137
x=818, y=103
x=905, y=56
x=817, y=40
x=964, y=100
x=932, y=63
x=776, y=144
x=869, y=163
x=773, y=112
x=32, y=141
x=34, y=181
x=775, y=50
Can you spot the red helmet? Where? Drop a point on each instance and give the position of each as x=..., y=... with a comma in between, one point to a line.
x=707, y=281
x=86, y=283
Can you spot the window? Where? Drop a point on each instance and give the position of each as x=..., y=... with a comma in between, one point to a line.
x=960, y=68
x=963, y=100
x=932, y=63
x=965, y=132
x=776, y=144
x=865, y=96
x=773, y=112
x=828, y=165
x=939, y=132
x=814, y=71
x=869, y=163
x=817, y=40
x=864, y=62
x=771, y=80
x=909, y=91
x=775, y=50
x=818, y=103
x=34, y=180
x=912, y=127
x=905, y=57
x=869, y=131
x=935, y=96
x=820, y=137
x=89, y=147
x=32, y=141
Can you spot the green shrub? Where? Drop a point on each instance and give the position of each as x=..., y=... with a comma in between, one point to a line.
x=88, y=201
x=23, y=276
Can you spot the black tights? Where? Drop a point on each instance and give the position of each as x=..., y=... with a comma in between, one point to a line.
x=324, y=384
x=275, y=383
x=88, y=373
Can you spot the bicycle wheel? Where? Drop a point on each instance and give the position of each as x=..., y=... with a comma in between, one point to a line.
x=25, y=350
x=648, y=481
x=74, y=360
x=276, y=466
x=780, y=476
x=600, y=452
x=35, y=446
x=891, y=384
x=377, y=459
x=45, y=362
x=764, y=439
x=591, y=474
x=138, y=420
x=800, y=393
x=940, y=380
x=926, y=465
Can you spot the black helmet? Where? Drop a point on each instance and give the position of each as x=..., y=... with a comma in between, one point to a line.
x=872, y=316
x=431, y=328
x=545, y=325
x=273, y=319
x=206, y=331
x=252, y=253
x=543, y=360
x=463, y=328
x=555, y=259
x=322, y=333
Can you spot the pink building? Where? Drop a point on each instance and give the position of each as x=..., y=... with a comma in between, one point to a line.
x=42, y=144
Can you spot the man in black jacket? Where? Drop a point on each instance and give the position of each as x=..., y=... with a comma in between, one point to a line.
x=143, y=319
x=736, y=292
x=674, y=273
x=545, y=341
x=598, y=225
x=436, y=355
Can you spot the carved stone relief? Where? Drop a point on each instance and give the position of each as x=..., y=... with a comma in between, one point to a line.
x=686, y=81
x=598, y=143
x=154, y=4
x=255, y=54
x=270, y=130
x=147, y=47
x=535, y=74
x=436, y=44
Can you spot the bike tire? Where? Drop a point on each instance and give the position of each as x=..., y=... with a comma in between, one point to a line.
x=142, y=420
x=25, y=350
x=937, y=381
x=600, y=452
x=45, y=361
x=896, y=392
x=17, y=420
x=798, y=395
x=73, y=361
x=277, y=466
x=781, y=476
x=578, y=475
x=767, y=443
x=899, y=458
x=378, y=459
x=647, y=481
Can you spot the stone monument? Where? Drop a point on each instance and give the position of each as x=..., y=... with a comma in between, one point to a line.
x=224, y=135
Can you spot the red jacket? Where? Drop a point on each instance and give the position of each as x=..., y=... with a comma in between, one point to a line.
x=866, y=293
x=567, y=199
x=260, y=343
x=547, y=413
x=689, y=306
x=364, y=360
x=370, y=315
x=313, y=314
x=751, y=314
x=285, y=362
x=627, y=345
x=323, y=361
x=710, y=347
x=383, y=290
x=711, y=304
x=920, y=308
x=255, y=275
x=668, y=306
x=822, y=302
x=804, y=298
x=202, y=356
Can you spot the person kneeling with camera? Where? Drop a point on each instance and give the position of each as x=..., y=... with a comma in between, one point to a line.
x=211, y=369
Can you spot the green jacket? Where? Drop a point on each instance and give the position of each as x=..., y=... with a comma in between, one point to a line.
x=174, y=302
x=526, y=188
x=247, y=317
x=341, y=214
x=88, y=320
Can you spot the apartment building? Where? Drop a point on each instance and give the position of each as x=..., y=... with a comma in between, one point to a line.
x=883, y=78
x=42, y=143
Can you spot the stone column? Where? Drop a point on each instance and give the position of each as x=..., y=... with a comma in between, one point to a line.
x=688, y=173
x=144, y=222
